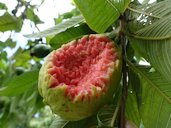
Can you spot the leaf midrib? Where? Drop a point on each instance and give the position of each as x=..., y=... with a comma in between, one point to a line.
x=149, y=81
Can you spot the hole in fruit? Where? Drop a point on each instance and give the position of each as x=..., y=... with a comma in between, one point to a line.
x=83, y=64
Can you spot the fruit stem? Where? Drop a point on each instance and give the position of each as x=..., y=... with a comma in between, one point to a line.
x=123, y=41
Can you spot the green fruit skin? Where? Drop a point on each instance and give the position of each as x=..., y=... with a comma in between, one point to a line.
x=19, y=70
x=40, y=50
x=69, y=110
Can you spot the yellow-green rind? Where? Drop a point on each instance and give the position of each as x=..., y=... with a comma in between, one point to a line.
x=68, y=109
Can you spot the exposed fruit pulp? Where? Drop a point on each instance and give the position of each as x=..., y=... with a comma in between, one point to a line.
x=82, y=65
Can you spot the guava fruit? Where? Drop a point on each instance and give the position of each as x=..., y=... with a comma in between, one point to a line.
x=40, y=50
x=80, y=77
x=19, y=70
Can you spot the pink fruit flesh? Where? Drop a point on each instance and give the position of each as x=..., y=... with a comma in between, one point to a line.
x=82, y=64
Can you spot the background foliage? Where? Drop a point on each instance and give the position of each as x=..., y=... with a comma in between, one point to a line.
x=144, y=29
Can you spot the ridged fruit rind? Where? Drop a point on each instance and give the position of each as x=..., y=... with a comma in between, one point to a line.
x=77, y=109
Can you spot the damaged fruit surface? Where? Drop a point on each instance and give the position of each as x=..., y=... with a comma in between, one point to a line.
x=80, y=77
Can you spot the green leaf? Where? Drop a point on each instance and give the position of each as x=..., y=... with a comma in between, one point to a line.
x=107, y=115
x=69, y=34
x=3, y=64
x=134, y=87
x=160, y=9
x=67, y=15
x=76, y=124
x=8, y=22
x=24, y=102
x=3, y=55
x=132, y=112
x=155, y=10
x=121, y=5
x=100, y=14
x=3, y=6
x=154, y=43
x=19, y=84
x=156, y=98
x=91, y=122
x=2, y=45
x=136, y=21
x=156, y=31
x=61, y=27
x=31, y=15
x=58, y=123
x=130, y=52
x=10, y=43
x=133, y=99
x=144, y=15
x=22, y=58
x=157, y=52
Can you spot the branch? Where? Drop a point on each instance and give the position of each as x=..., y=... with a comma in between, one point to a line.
x=124, y=73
